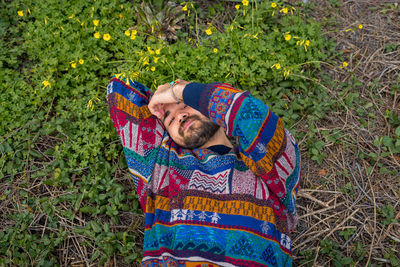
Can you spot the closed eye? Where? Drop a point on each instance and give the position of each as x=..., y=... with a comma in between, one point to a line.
x=171, y=121
x=165, y=116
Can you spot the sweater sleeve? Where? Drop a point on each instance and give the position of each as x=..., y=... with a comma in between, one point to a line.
x=140, y=132
x=265, y=146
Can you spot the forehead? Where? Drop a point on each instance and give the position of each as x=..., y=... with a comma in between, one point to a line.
x=172, y=106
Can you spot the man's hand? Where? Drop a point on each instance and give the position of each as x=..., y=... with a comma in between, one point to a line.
x=164, y=95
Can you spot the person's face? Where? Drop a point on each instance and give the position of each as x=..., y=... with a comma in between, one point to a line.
x=187, y=126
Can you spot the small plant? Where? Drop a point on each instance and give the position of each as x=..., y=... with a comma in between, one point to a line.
x=390, y=47
x=309, y=256
x=160, y=18
x=387, y=213
x=347, y=233
x=316, y=151
x=359, y=250
x=331, y=249
x=348, y=188
x=392, y=256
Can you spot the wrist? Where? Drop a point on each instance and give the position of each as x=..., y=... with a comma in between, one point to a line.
x=177, y=89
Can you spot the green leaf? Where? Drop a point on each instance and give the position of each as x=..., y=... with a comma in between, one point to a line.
x=397, y=132
x=368, y=105
x=387, y=141
x=346, y=261
x=95, y=255
x=320, y=144
x=106, y=227
x=88, y=209
x=96, y=227
x=398, y=143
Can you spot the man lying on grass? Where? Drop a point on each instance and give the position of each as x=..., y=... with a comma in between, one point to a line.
x=206, y=201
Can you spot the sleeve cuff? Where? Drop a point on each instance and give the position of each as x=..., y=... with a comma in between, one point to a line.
x=192, y=94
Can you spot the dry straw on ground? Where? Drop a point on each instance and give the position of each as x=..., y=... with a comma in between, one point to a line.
x=326, y=210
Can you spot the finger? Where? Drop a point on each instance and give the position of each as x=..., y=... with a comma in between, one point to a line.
x=163, y=87
x=158, y=113
x=157, y=110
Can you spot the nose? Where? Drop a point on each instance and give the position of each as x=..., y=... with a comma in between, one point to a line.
x=182, y=115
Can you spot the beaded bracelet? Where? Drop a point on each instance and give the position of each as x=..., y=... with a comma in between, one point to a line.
x=172, y=84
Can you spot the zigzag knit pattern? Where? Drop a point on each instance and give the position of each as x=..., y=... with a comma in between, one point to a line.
x=203, y=208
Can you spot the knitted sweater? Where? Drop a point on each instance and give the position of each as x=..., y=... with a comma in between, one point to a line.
x=214, y=206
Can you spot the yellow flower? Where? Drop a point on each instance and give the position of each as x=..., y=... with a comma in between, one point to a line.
x=134, y=32
x=288, y=37
x=276, y=66
x=215, y=50
x=127, y=32
x=106, y=37
x=96, y=22
x=286, y=73
x=133, y=37
x=345, y=64
x=307, y=42
x=73, y=65
x=92, y=103
x=21, y=13
x=360, y=26
x=245, y=2
x=120, y=16
x=153, y=68
x=273, y=4
x=46, y=84
x=208, y=31
x=81, y=61
x=284, y=10
x=158, y=51
x=185, y=8
x=151, y=52
x=237, y=7
x=155, y=59
x=97, y=35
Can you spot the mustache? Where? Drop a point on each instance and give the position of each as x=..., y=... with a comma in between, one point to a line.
x=193, y=117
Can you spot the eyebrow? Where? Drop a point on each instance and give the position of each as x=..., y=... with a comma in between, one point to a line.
x=165, y=116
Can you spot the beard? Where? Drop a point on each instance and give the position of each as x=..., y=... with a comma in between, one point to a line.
x=197, y=136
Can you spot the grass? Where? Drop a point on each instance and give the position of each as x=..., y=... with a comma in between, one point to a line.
x=64, y=189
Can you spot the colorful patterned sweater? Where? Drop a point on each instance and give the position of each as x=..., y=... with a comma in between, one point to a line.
x=210, y=207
